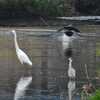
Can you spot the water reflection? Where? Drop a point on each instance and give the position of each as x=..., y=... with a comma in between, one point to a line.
x=21, y=87
x=71, y=88
x=49, y=70
x=68, y=52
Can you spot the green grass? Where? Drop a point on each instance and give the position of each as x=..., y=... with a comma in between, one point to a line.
x=96, y=95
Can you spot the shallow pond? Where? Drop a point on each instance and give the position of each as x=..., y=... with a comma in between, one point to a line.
x=49, y=69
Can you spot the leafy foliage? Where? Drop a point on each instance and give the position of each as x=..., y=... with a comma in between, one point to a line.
x=36, y=7
x=96, y=96
x=88, y=7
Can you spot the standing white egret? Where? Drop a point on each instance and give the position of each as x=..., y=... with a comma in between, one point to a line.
x=71, y=88
x=71, y=70
x=23, y=58
x=22, y=86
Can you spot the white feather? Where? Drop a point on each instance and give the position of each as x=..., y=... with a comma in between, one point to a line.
x=23, y=57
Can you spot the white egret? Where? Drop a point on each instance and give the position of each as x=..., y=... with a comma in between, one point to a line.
x=71, y=70
x=22, y=85
x=71, y=88
x=23, y=58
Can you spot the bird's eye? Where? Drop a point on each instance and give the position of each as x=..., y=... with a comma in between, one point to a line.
x=69, y=33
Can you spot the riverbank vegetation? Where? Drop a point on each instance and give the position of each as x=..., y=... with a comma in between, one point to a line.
x=48, y=8
x=89, y=7
x=96, y=95
x=31, y=7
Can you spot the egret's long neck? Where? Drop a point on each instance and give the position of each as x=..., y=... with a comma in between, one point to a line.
x=15, y=39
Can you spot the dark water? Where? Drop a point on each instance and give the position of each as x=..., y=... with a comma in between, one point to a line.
x=49, y=69
x=41, y=97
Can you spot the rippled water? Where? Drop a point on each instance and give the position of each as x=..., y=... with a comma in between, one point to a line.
x=49, y=69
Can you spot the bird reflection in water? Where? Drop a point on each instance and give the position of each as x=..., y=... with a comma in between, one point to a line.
x=21, y=86
x=71, y=88
x=68, y=52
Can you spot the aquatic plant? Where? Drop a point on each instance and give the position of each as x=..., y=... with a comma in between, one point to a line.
x=96, y=96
